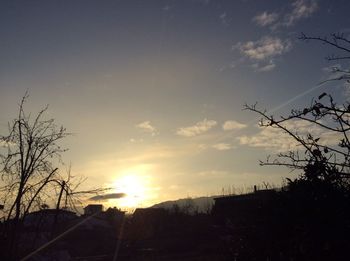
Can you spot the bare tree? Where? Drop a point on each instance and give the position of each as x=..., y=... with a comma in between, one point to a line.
x=28, y=164
x=341, y=46
x=29, y=158
x=69, y=192
x=323, y=152
x=320, y=159
x=339, y=41
x=31, y=153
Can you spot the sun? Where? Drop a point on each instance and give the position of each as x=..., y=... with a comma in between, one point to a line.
x=134, y=182
x=134, y=188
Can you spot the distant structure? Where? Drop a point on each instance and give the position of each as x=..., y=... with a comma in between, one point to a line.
x=147, y=222
x=93, y=209
x=241, y=207
x=47, y=217
x=149, y=214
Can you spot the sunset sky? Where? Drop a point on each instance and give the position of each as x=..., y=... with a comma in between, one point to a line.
x=153, y=91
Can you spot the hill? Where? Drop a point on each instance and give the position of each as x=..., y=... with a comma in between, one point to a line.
x=190, y=205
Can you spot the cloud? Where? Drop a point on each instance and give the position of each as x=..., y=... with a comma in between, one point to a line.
x=232, y=64
x=197, y=129
x=263, y=51
x=346, y=91
x=107, y=196
x=340, y=76
x=265, y=18
x=269, y=139
x=6, y=143
x=132, y=140
x=266, y=47
x=166, y=8
x=222, y=146
x=223, y=19
x=147, y=127
x=202, y=147
x=275, y=139
x=300, y=9
x=266, y=68
x=213, y=173
x=233, y=125
x=332, y=68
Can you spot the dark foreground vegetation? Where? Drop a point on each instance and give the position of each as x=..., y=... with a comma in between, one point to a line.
x=302, y=221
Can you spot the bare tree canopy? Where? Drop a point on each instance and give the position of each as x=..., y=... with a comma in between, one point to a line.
x=30, y=157
x=30, y=160
x=322, y=152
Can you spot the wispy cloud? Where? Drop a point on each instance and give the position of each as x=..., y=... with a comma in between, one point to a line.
x=268, y=67
x=212, y=173
x=5, y=143
x=233, y=125
x=335, y=72
x=132, y=140
x=147, y=127
x=269, y=139
x=300, y=9
x=266, y=47
x=107, y=196
x=166, y=8
x=222, y=146
x=346, y=91
x=332, y=68
x=275, y=139
x=197, y=129
x=263, y=51
x=265, y=18
x=223, y=19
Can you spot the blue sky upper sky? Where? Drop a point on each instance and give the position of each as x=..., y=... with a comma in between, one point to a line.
x=153, y=90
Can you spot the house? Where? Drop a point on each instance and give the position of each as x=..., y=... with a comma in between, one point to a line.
x=39, y=227
x=92, y=209
x=47, y=217
x=240, y=208
x=95, y=234
x=147, y=222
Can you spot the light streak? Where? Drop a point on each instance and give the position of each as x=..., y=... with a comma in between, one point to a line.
x=57, y=238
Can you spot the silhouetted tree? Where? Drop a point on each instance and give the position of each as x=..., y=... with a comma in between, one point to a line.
x=28, y=163
x=316, y=153
x=32, y=149
x=309, y=218
x=30, y=175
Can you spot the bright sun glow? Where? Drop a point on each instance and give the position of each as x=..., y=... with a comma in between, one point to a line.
x=132, y=185
x=135, y=183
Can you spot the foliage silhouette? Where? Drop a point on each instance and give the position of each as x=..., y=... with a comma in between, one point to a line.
x=315, y=152
x=311, y=215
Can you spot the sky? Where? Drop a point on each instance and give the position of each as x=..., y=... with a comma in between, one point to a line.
x=153, y=91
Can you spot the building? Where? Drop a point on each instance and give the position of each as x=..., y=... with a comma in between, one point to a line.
x=92, y=209
x=45, y=218
x=147, y=222
x=241, y=208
